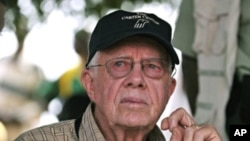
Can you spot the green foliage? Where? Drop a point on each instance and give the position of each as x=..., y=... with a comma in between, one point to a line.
x=20, y=21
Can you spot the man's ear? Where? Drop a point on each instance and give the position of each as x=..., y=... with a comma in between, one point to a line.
x=88, y=84
x=172, y=86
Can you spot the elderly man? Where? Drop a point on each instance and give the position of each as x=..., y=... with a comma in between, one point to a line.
x=128, y=78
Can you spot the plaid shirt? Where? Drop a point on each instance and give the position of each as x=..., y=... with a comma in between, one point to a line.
x=65, y=131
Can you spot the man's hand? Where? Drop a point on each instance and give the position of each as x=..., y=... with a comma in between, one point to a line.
x=183, y=128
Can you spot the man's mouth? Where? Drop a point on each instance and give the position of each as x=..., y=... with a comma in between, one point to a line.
x=131, y=100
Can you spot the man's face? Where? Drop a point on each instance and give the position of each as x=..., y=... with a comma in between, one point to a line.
x=2, y=11
x=134, y=100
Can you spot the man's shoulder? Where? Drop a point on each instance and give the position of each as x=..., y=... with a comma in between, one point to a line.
x=56, y=131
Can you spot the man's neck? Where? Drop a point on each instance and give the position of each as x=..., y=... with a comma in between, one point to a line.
x=116, y=133
x=113, y=132
x=130, y=135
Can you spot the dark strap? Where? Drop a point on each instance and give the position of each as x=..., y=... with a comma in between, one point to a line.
x=77, y=125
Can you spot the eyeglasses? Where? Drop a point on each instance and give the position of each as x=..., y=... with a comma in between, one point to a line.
x=120, y=67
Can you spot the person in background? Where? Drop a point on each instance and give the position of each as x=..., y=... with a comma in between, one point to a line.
x=21, y=101
x=128, y=78
x=20, y=81
x=68, y=87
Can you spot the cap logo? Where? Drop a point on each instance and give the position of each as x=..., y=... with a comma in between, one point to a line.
x=141, y=20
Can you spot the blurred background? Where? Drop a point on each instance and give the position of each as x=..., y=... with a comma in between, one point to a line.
x=37, y=48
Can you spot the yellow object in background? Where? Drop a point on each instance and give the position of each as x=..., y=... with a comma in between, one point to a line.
x=3, y=132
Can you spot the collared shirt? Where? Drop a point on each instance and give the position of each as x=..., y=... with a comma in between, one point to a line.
x=65, y=131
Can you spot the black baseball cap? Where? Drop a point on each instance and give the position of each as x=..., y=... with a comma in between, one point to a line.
x=121, y=24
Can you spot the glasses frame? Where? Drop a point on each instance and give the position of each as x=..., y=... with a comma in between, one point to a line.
x=168, y=68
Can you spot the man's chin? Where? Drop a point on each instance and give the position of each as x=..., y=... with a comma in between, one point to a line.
x=135, y=119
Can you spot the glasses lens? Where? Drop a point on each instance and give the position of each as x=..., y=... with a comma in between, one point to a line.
x=155, y=68
x=119, y=67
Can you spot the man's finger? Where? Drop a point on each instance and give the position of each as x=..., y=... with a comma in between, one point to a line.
x=177, y=118
x=176, y=134
x=189, y=133
x=207, y=133
x=164, y=124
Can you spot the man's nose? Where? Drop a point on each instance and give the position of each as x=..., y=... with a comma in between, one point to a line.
x=136, y=77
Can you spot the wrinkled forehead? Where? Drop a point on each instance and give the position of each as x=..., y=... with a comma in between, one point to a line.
x=138, y=40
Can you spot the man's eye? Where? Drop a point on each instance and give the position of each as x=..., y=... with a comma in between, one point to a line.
x=119, y=63
x=152, y=66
